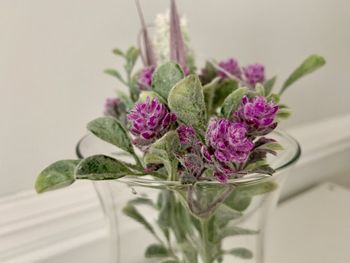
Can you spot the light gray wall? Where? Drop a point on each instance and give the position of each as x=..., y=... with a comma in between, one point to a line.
x=52, y=54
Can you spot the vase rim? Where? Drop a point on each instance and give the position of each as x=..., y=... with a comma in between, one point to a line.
x=293, y=152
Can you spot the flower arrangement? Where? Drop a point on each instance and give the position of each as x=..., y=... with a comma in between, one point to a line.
x=186, y=127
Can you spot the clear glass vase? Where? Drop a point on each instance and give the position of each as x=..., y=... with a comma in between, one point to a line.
x=209, y=222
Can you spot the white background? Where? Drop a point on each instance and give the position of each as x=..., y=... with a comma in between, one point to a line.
x=52, y=54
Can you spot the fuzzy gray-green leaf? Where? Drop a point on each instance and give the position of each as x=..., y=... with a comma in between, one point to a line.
x=101, y=167
x=112, y=131
x=241, y=253
x=133, y=213
x=58, y=175
x=165, y=77
x=309, y=65
x=186, y=99
x=232, y=101
x=156, y=251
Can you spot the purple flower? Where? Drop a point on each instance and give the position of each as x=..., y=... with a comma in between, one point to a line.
x=149, y=121
x=229, y=66
x=114, y=107
x=145, y=78
x=229, y=140
x=187, y=135
x=257, y=114
x=254, y=73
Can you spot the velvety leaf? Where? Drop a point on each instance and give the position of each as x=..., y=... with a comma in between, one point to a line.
x=274, y=146
x=110, y=130
x=114, y=73
x=309, y=65
x=283, y=114
x=118, y=52
x=236, y=231
x=133, y=213
x=142, y=201
x=269, y=84
x=260, y=90
x=186, y=99
x=151, y=95
x=162, y=152
x=232, y=101
x=216, y=92
x=58, y=175
x=156, y=251
x=101, y=167
x=165, y=77
x=209, y=73
x=274, y=97
x=241, y=253
x=131, y=57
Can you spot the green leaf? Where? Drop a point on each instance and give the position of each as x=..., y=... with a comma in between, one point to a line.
x=273, y=146
x=309, y=65
x=224, y=214
x=216, y=92
x=186, y=99
x=268, y=85
x=130, y=211
x=118, y=52
x=101, y=167
x=241, y=253
x=58, y=175
x=236, y=231
x=283, y=114
x=274, y=97
x=131, y=57
x=165, y=77
x=232, y=101
x=151, y=95
x=112, y=131
x=156, y=251
x=162, y=152
x=142, y=201
x=114, y=73
x=260, y=90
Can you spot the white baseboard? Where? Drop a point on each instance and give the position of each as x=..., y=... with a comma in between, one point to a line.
x=35, y=228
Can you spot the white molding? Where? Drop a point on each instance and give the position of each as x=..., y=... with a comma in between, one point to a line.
x=38, y=227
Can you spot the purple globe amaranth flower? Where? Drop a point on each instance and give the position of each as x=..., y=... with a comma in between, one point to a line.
x=229, y=140
x=149, y=121
x=229, y=66
x=187, y=135
x=145, y=78
x=257, y=114
x=254, y=74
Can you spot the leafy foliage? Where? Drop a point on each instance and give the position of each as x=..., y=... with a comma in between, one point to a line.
x=58, y=175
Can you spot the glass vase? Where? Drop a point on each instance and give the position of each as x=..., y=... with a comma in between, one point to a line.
x=209, y=222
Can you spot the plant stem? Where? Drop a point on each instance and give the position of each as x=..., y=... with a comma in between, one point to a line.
x=206, y=255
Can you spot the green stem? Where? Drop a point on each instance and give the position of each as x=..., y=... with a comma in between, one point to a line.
x=206, y=255
x=137, y=159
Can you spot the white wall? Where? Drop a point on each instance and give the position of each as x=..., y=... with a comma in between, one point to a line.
x=52, y=54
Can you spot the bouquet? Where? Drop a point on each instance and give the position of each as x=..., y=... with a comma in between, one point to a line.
x=207, y=127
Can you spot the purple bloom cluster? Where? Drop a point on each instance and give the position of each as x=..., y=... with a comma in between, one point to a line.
x=149, y=120
x=145, y=78
x=257, y=114
x=187, y=135
x=254, y=74
x=229, y=66
x=229, y=140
